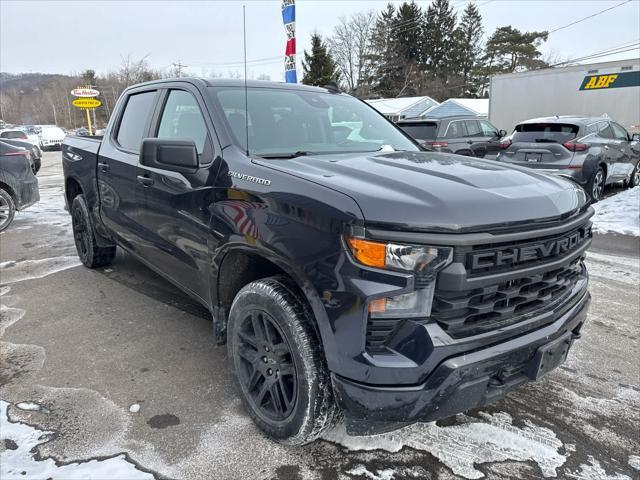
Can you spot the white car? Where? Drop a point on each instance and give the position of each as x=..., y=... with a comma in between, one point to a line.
x=51, y=137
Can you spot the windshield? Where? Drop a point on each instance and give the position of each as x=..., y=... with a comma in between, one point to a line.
x=295, y=122
x=544, y=133
x=421, y=130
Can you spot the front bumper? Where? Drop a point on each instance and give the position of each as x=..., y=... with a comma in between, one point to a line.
x=459, y=383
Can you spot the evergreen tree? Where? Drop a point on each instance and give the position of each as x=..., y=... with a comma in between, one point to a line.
x=407, y=31
x=468, y=51
x=318, y=66
x=438, y=39
x=384, y=57
x=510, y=50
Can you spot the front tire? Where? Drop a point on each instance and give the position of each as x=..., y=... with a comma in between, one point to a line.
x=634, y=180
x=595, y=186
x=7, y=209
x=278, y=363
x=89, y=252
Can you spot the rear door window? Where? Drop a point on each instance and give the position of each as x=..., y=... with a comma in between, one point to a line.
x=133, y=124
x=473, y=128
x=544, y=133
x=182, y=119
x=456, y=129
x=421, y=131
x=605, y=130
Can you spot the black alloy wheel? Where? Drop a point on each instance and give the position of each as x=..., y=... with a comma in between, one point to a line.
x=266, y=371
x=81, y=233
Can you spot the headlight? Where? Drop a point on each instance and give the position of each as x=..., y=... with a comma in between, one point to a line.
x=422, y=260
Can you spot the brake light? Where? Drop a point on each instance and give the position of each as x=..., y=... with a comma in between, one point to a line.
x=437, y=144
x=505, y=145
x=24, y=154
x=576, y=146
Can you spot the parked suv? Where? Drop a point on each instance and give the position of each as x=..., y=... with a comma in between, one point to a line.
x=462, y=135
x=592, y=151
x=348, y=271
x=18, y=183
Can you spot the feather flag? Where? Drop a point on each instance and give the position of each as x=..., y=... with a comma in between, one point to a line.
x=289, y=19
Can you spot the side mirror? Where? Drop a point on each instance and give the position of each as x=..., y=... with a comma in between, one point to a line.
x=635, y=137
x=169, y=154
x=502, y=133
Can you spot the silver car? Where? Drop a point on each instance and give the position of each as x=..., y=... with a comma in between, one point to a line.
x=592, y=151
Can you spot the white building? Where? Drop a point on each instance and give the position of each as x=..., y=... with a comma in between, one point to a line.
x=606, y=88
x=403, y=107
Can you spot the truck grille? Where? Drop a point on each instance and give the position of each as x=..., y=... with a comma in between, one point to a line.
x=470, y=312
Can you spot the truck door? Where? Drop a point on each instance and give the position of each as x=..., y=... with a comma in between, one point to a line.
x=118, y=167
x=176, y=209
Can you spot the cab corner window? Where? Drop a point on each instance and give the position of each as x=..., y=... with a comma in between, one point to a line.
x=182, y=119
x=134, y=120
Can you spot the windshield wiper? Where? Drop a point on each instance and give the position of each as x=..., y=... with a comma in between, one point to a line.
x=299, y=153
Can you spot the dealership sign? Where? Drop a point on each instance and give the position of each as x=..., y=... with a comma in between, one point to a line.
x=613, y=80
x=85, y=92
x=86, y=103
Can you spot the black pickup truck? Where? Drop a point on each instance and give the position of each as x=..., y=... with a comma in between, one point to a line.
x=349, y=272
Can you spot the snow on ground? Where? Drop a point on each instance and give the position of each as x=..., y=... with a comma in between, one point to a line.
x=619, y=213
x=593, y=471
x=18, y=271
x=610, y=267
x=17, y=460
x=493, y=438
x=634, y=461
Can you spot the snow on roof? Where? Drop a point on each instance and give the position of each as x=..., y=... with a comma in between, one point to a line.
x=394, y=106
x=479, y=105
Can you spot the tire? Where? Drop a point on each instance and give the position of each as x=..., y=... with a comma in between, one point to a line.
x=7, y=209
x=634, y=180
x=595, y=185
x=90, y=254
x=278, y=362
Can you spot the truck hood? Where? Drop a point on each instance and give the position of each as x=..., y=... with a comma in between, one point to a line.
x=437, y=191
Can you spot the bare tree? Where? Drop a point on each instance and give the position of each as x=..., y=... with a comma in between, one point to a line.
x=350, y=47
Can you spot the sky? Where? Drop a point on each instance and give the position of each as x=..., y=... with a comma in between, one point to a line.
x=70, y=36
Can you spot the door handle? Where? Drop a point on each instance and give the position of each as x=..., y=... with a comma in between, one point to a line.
x=144, y=180
x=470, y=142
x=104, y=167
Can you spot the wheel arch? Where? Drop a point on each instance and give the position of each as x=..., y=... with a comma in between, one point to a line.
x=9, y=189
x=72, y=188
x=239, y=264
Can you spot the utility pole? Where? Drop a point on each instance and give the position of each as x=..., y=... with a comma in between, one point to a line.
x=55, y=117
x=178, y=68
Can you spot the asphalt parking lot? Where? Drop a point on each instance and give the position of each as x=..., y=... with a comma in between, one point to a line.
x=116, y=363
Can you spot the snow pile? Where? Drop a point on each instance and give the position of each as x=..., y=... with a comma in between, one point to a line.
x=18, y=271
x=493, y=438
x=634, y=461
x=17, y=460
x=619, y=213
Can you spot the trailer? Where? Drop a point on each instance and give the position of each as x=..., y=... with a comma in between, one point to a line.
x=607, y=88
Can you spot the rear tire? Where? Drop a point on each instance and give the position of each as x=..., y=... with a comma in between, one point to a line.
x=7, y=209
x=595, y=185
x=278, y=362
x=89, y=252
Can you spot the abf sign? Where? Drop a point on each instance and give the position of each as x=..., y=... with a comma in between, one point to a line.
x=86, y=103
x=85, y=92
